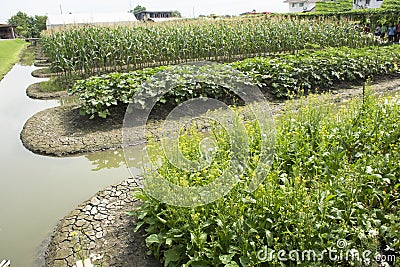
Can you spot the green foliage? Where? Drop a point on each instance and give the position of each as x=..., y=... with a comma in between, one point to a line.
x=20, y=20
x=320, y=69
x=99, y=93
x=138, y=9
x=335, y=176
x=176, y=14
x=280, y=75
x=37, y=25
x=391, y=5
x=373, y=16
x=88, y=51
x=27, y=26
x=9, y=54
x=334, y=6
x=52, y=85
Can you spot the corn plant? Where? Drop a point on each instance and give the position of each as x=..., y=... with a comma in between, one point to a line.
x=90, y=50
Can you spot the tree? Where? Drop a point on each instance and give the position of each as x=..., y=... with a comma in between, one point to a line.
x=20, y=21
x=138, y=9
x=391, y=4
x=334, y=6
x=27, y=26
x=176, y=14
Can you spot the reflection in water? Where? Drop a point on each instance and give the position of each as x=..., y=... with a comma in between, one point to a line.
x=106, y=159
x=113, y=159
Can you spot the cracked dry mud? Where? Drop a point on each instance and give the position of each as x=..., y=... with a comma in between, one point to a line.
x=101, y=226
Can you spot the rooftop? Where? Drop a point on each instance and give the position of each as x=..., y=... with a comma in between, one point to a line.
x=300, y=1
x=84, y=18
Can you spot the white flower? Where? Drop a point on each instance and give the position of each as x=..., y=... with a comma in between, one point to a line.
x=373, y=233
x=368, y=169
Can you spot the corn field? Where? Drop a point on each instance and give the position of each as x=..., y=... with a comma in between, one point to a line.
x=90, y=50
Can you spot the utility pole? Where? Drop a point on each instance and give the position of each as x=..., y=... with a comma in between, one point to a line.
x=60, y=9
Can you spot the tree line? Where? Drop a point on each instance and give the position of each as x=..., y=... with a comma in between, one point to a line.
x=27, y=26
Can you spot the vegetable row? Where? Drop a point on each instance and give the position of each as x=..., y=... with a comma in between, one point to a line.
x=280, y=75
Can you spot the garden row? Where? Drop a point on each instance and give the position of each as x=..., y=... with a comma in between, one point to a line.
x=87, y=51
x=280, y=75
x=330, y=197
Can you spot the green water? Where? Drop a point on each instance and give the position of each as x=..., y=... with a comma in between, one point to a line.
x=37, y=191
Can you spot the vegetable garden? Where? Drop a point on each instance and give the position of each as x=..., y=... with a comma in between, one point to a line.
x=335, y=177
x=86, y=51
x=280, y=75
x=335, y=173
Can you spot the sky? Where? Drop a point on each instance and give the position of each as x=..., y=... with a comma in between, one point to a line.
x=186, y=7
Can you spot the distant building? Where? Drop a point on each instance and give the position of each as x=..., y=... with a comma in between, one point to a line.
x=309, y=5
x=153, y=15
x=360, y=4
x=301, y=5
x=105, y=19
x=7, y=31
x=254, y=13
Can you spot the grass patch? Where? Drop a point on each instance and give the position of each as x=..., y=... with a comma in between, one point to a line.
x=334, y=177
x=9, y=54
x=51, y=85
x=27, y=56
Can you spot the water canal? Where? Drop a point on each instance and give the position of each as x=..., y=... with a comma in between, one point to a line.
x=37, y=191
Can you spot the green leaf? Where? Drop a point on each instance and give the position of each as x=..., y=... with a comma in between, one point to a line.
x=171, y=255
x=151, y=239
x=227, y=258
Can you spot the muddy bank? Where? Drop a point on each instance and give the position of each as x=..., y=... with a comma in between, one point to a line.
x=33, y=91
x=43, y=73
x=63, y=131
x=42, y=63
x=101, y=228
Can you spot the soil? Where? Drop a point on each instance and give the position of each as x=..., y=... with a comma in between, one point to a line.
x=43, y=73
x=101, y=228
x=62, y=131
x=42, y=63
x=33, y=91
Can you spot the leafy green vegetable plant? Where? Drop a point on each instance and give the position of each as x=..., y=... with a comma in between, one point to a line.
x=335, y=177
x=280, y=75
